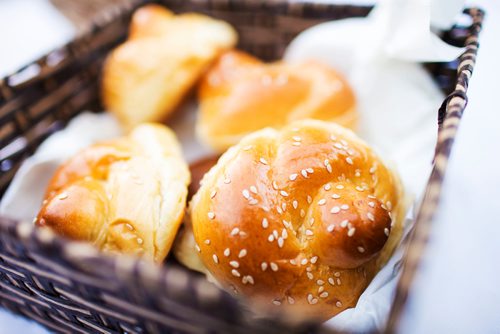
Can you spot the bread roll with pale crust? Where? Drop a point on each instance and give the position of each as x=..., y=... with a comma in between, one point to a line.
x=298, y=220
x=146, y=78
x=240, y=94
x=124, y=196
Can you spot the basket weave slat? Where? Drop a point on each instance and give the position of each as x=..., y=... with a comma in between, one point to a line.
x=70, y=287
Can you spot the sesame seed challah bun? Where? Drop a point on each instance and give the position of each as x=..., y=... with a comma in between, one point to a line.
x=298, y=220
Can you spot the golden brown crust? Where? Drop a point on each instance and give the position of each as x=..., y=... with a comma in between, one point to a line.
x=298, y=218
x=145, y=78
x=127, y=195
x=250, y=95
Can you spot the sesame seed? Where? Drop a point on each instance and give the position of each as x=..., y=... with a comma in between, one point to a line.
x=207, y=242
x=270, y=238
x=242, y=234
x=246, y=193
x=296, y=143
x=309, y=199
x=331, y=281
x=335, y=209
x=349, y=160
x=227, y=252
x=389, y=205
x=338, y=304
x=311, y=221
x=302, y=213
x=253, y=189
x=310, y=298
x=265, y=223
x=327, y=187
x=326, y=162
x=332, y=137
x=279, y=209
x=344, y=223
x=358, y=188
x=242, y=253
x=357, y=173
x=322, y=201
x=304, y=173
x=235, y=273
x=310, y=170
x=330, y=228
x=370, y=216
x=234, y=264
x=361, y=249
x=314, y=259
x=130, y=227
x=297, y=138
x=350, y=232
x=309, y=232
x=320, y=282
x=336, y=274
x=314, y=301
x=338, y=145
x=235, y=231
x=276, y=302
x=371, y=204
x=293, y=177
x=263, y=161
x=284, y=234
x=274, y=266
x=371, y=196
x=386, y=231
x=324, y=295
x=283, y=193
x=215, y=258
x=339, y=186
x=275, y=233
x=383, y=207
x=373, y=169
x=344, y=207
x=280, y=242
x=227, y=180
x=275, y=185
x=198, y=249
x=62, y=196
x=338, y=281
x=263, y=266
x=292, y=261
x=247, y=279
x=291, y=301
x=309, y=268
x=213, y=193
x=287, y=224
x=211, y=215
x=253, y=201
x=283, y=206
x=310, y=276
x=335, y=196
x=303, y=262
x=329, y=169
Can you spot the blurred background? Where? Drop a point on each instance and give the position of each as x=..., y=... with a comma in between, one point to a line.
x=456, y=291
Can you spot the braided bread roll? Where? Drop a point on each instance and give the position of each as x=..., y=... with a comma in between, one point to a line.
x=146, y=78
x=299, y=219
x=251, y=95
x=127, y=195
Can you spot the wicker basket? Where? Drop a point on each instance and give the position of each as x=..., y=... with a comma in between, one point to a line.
x=70, y=287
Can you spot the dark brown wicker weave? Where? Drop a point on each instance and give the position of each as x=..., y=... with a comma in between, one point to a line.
x=70, y=287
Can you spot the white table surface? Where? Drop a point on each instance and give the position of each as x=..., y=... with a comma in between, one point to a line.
x=456, y=291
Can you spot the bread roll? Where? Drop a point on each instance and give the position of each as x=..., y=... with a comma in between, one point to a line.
x=298, y=220
x=240, y=94
x=124, y=196
x=145, y=78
